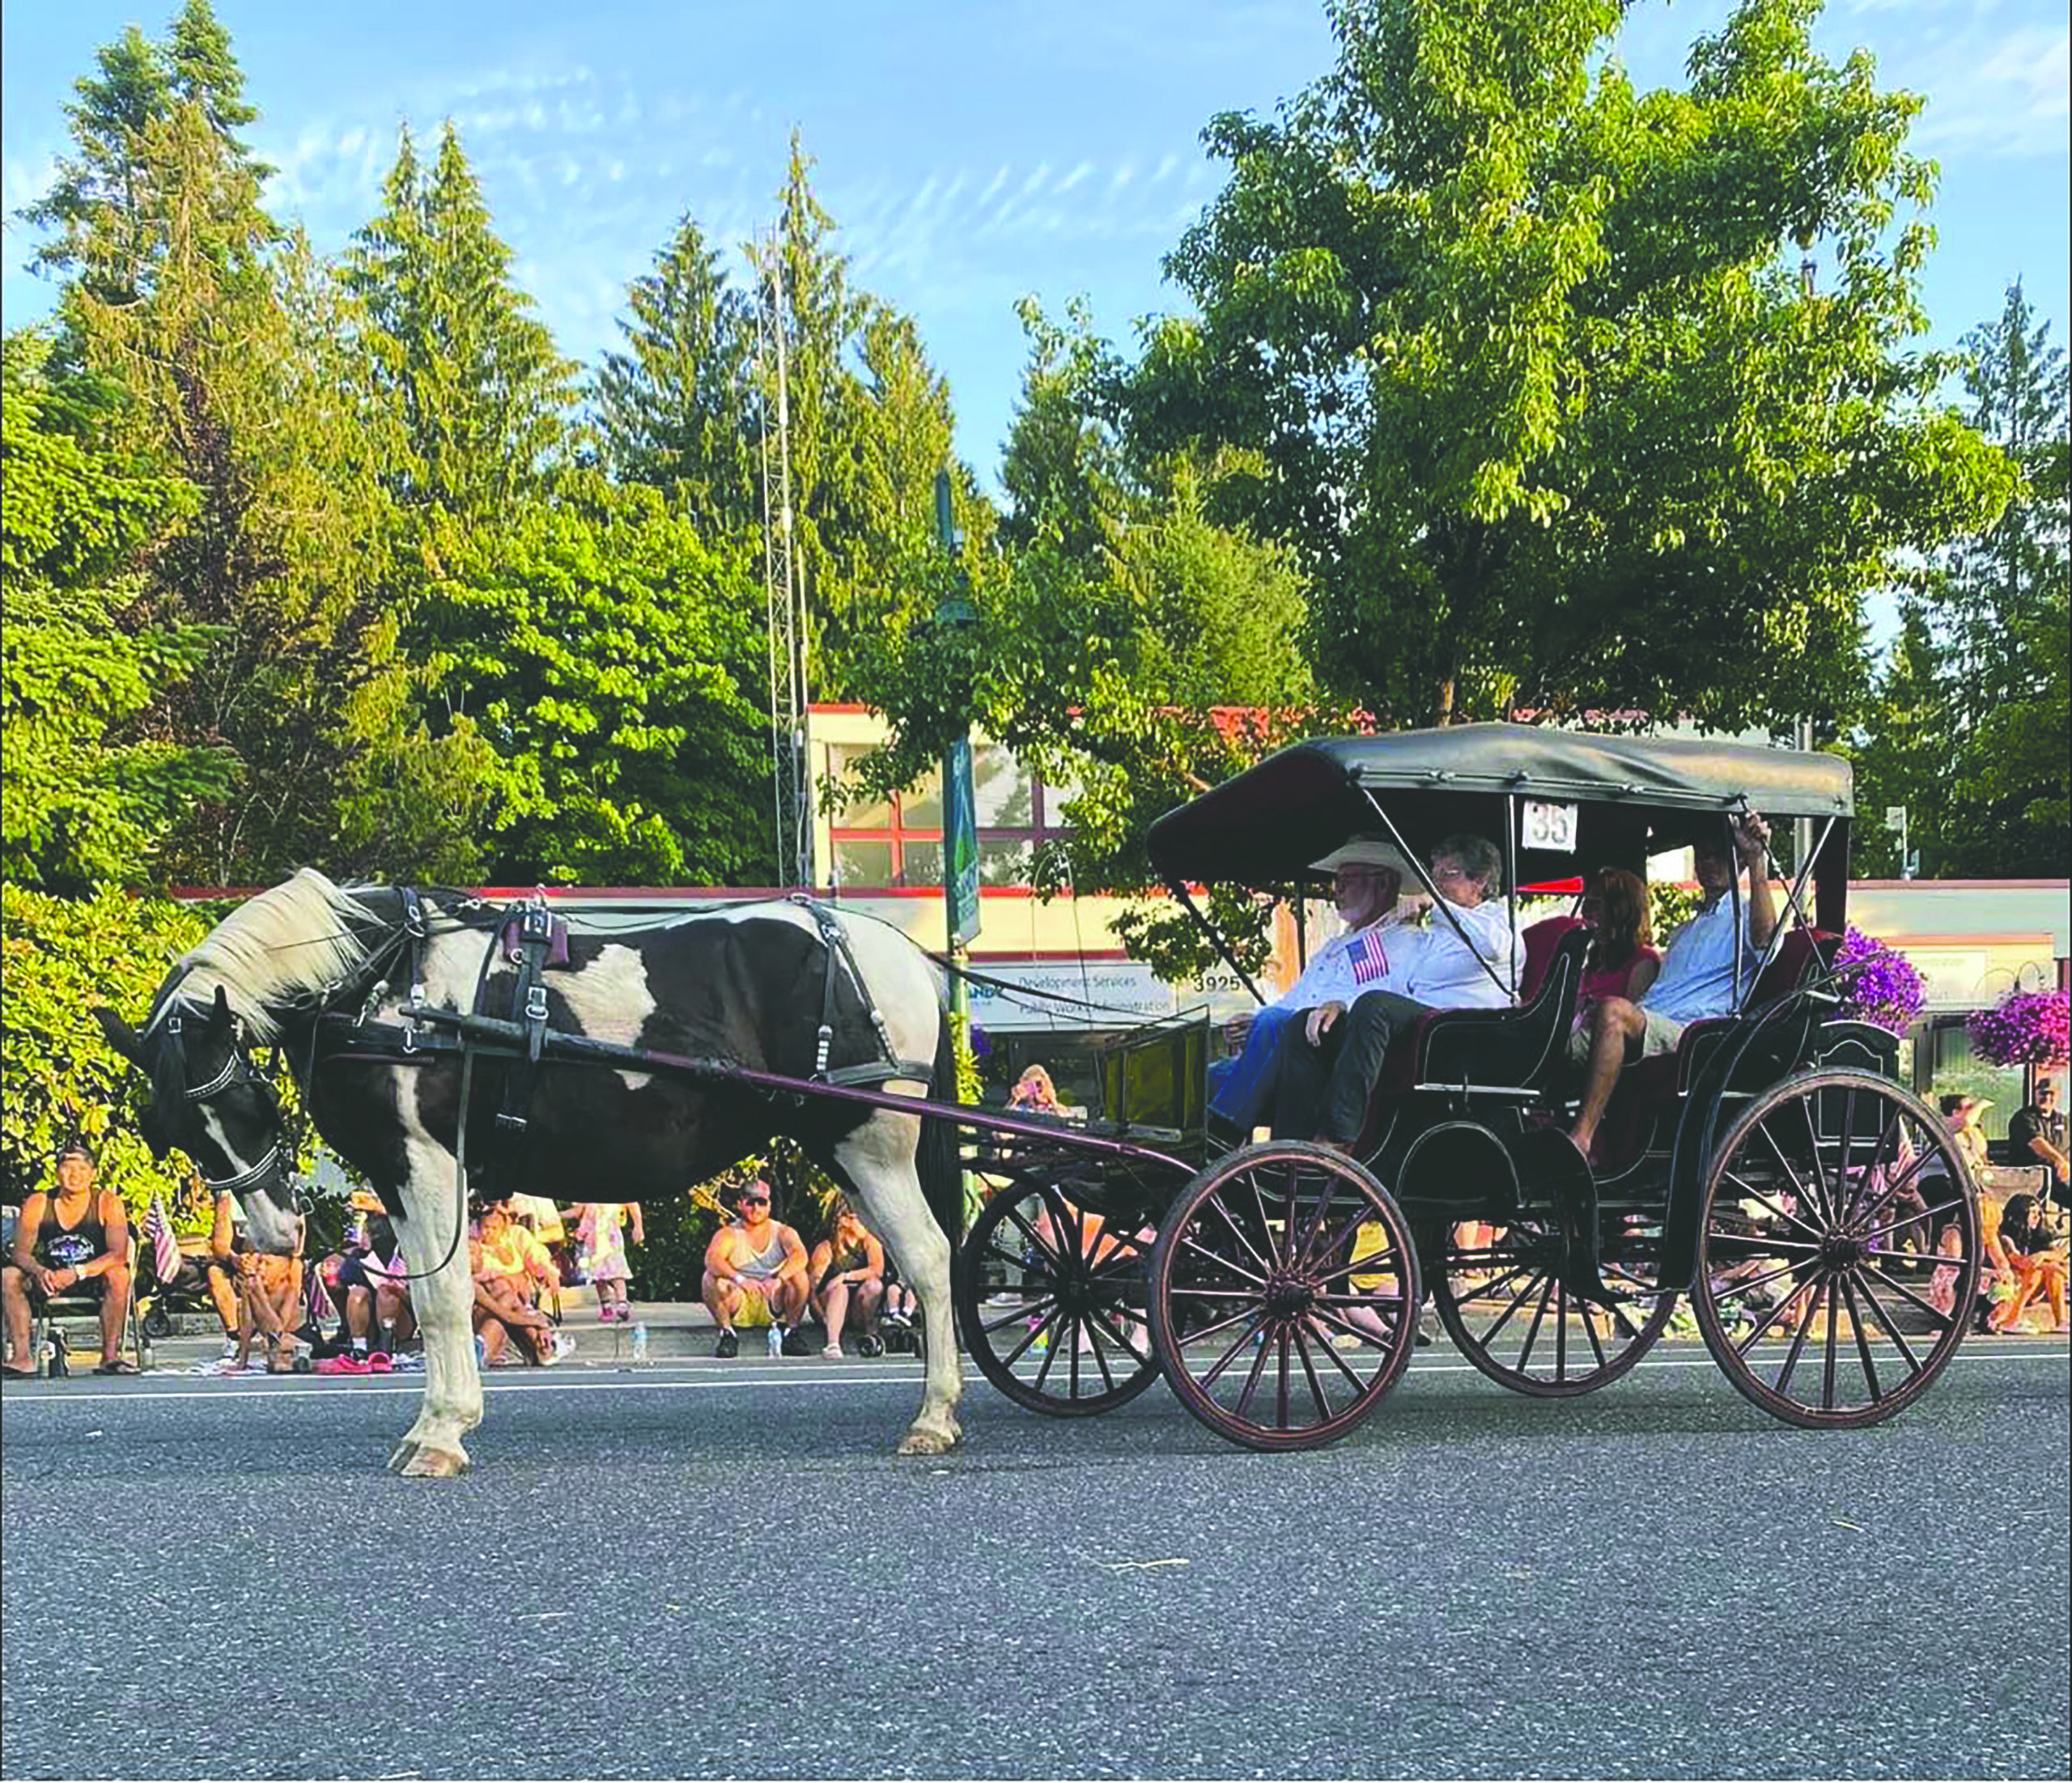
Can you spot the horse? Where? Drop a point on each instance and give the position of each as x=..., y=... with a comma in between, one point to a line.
x=350, y=985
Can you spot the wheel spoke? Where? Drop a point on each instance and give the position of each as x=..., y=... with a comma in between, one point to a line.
x=1798, y=1188
x=1221, y=1262
x=1237, y=1231
x=1590, y=1331
x=1510, y=1312
x=1816, y=1292
x=1228, y=1356
x=1027, y=1310
x=1862, y=1341
x=1538, y=1315
x=1827, y=1364
x=1244, y=1406
x=1914, y=1365
x=1741, y=1284
x=1372, y=1339
x=1752, y=1193
x=1119, y=1336
x=1830, y=1203
x=1330, y=1353
x=1317, y=1392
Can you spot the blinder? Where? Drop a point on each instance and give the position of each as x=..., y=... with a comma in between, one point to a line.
x=235, y=1069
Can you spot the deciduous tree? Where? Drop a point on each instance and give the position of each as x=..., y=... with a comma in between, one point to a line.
x=1541, y=396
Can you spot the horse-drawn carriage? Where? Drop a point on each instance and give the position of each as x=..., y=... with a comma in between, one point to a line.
x=1773, y=1167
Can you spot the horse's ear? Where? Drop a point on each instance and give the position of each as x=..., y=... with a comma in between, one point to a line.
x=220, y=1017
x=120, y=1036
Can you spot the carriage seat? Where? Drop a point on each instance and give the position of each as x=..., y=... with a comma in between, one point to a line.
x=1644, y=1087
x=1517, y=1049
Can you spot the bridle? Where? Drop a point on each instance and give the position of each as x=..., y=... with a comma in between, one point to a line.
x=235, y=1070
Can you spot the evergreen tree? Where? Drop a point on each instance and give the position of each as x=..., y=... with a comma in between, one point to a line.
x=454, y=352
x=96, y=207
x=672, y=409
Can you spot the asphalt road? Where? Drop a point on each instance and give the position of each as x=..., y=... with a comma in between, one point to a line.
x=721, y=1569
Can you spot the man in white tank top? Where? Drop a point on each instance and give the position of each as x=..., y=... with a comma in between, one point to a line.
x=755, y=1271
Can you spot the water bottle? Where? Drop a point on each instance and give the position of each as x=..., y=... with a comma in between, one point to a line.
x=56, y=1368
x=640, y=1342
x=774, y=1341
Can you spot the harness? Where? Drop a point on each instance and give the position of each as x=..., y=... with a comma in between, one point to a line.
x=527, y=936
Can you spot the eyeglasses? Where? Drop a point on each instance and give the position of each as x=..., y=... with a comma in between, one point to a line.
x=755, y=1200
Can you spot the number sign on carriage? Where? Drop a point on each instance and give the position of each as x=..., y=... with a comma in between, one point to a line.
x=1552, y=827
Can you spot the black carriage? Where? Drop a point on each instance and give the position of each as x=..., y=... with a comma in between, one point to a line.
x=1773, y=1169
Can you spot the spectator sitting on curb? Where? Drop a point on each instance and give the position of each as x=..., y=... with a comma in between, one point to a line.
x=270, y=1305
x=369, y=1298
x=2036, y=1134
x=74, y=1241
x=847, y=1271
x=755, y=1273
x=510, y=1266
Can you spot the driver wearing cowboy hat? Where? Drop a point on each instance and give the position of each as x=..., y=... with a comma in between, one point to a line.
x=1367, y=876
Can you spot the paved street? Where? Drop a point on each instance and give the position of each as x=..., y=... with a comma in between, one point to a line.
x=707, y=1567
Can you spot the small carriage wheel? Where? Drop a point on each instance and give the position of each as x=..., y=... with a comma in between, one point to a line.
x=1503, y=1302
x=1283, y=1295
x=1072, y=1340
x=1820, y=1286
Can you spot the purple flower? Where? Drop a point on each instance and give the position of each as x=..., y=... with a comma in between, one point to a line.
x=2029, y=1028
x=1882, y=986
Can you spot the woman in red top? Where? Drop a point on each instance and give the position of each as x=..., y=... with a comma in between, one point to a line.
x=1623, y=959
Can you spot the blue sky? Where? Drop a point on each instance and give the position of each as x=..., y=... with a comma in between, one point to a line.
x=970, y=153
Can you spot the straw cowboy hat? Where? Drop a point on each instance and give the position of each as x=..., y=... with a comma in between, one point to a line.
x=1364, y=852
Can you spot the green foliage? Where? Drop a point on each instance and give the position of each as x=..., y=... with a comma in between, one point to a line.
x=87, y=798
x=62, y=957
x=1536, y=389
x=605, y=653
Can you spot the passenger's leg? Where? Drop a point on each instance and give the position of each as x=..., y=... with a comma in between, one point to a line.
x=1302, y=1077
x=1244, y=1093
x=1614, y=1025
x=1375, y=1023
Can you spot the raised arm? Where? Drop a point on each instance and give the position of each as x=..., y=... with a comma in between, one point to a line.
x=1752, y=841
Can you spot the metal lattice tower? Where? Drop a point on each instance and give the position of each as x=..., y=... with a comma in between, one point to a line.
x=788, y=692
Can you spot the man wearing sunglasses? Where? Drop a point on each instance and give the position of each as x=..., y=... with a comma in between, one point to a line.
x=2038, y=1132
x=755, y=1275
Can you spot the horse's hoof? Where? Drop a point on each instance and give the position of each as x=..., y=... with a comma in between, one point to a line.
x=918, y=1441
x=436, y=1464
x=405, y=1453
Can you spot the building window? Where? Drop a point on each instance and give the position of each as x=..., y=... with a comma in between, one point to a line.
x=897, y=841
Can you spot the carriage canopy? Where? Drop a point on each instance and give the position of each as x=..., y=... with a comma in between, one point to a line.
x=1632, y=796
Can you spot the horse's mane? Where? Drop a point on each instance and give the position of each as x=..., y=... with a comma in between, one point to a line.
x=293, y=940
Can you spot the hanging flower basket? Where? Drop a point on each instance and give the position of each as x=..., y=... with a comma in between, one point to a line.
x=2029, y=1028
x=1881, y=985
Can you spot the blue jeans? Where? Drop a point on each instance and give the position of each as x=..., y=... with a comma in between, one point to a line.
x=1241, y=1090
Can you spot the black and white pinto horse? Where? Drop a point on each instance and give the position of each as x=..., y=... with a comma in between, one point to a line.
x=323, y=972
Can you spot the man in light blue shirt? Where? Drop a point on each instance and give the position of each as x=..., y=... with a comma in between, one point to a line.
x=1704, y=965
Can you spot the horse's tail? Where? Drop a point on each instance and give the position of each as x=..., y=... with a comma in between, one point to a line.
x=940, y=1162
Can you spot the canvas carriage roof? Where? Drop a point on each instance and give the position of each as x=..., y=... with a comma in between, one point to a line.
x=1268, y=823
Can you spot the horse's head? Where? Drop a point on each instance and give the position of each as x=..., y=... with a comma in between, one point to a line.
x=210, y=1101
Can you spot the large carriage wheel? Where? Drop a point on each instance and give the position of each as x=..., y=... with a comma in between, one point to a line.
x=1283, y=1295
x=1068, y=1335
x=1817, y=1284
x=1502, y=1302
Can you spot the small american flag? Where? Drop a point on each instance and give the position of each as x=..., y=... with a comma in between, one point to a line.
x=165, y=1248
x=1368, y=958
